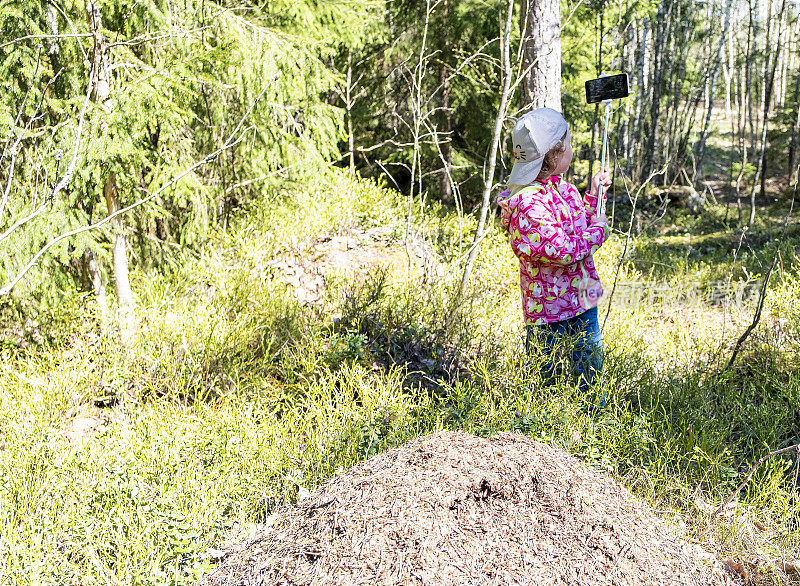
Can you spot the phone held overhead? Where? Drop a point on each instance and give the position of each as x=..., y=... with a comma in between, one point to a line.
x=606, y=88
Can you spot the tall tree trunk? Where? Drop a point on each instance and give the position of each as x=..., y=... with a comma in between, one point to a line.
x=630, y=65
x=748, y=70
x=770, y=65
x=675, y=67
x=95, y=273
x=488, y=180
x=742, y=127
x=101, y=93
x=685, y=123
x=120, y=259
x=780, y=95
x=540, y=25
x=657, y=85
x=641, y=95
x=446, y=186
x=728, y=71
x=701, y=148
x=794, y=143
x=53, y=49
x=348, y=102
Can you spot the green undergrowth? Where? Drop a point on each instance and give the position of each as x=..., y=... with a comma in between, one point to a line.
x=236, y=396
x=709, y=245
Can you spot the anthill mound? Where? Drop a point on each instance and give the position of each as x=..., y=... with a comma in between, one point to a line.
x=452, y=508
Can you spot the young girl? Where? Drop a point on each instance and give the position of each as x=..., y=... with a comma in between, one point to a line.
x=554, y=232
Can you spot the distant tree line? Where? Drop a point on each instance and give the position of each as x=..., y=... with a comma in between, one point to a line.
x=687, y=61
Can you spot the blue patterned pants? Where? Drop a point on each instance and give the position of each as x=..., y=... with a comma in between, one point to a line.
x=569, y=347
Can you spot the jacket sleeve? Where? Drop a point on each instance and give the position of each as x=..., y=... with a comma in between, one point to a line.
x=505, y=215
x=590, y=204
x=537, y=234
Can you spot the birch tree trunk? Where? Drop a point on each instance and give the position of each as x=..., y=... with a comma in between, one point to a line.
x=53, y=49
x=95, y=273
x=701, y=148
x=101, y=93
x=729, y=71
x=630, y=65
x=641, y=94
x=488, y=180
x=742, y=125
x=674, y=69
x=348, y=104
x=770, y=66
x=540, y=25
x=446, y=187
x=748, y=69
x=780, y=95
x=657, y=85
x=794, y=143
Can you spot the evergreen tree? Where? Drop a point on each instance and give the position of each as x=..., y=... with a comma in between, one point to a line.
x=165, y=86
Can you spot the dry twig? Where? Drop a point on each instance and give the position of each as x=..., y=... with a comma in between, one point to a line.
x=750, y=475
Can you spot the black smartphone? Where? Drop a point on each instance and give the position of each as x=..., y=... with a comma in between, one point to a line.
x=608, y=87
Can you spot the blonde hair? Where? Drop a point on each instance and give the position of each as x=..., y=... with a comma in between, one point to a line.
x=552, y=158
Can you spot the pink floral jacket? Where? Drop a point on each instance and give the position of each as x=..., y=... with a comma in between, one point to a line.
x=553, y=233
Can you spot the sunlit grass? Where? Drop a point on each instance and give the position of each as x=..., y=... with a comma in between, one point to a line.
x=235, y=396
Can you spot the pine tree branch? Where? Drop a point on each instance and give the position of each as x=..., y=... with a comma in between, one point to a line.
x=157, y=36
x=15, y=146
x=30, y=37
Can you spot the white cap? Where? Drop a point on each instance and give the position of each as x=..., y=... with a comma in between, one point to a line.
x=535, y=134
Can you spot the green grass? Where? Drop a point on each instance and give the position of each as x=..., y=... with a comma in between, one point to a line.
x=235, y=395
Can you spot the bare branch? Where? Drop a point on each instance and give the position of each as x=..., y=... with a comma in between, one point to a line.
x=67, y=177
x=55, y=5
x=157, y=36
x=633, y=201
x=385, y=170
x=488, y=180
x=15, y=146
x=763, y=293
x=234, y=138
x=29, y=37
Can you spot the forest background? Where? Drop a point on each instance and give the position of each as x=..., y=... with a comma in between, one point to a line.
x=188, y=156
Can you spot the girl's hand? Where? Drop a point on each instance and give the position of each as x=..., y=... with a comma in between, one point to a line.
x=600, y=219
x=602, y=177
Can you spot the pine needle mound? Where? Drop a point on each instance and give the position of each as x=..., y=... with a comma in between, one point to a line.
x=452, y=508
